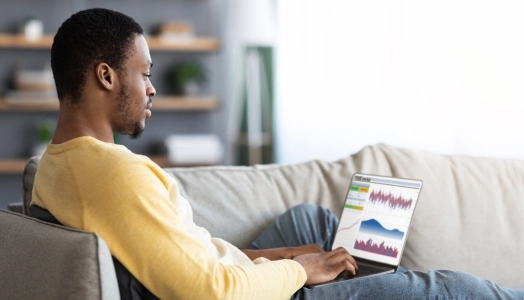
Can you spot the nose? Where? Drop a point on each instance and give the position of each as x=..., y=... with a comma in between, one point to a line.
x=150, y=89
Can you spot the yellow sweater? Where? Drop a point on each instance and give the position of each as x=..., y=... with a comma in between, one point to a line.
x=137, y=209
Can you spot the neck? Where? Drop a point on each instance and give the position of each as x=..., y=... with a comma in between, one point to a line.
x=74, y=122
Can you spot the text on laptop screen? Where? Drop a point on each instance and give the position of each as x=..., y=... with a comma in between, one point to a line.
x=376, y=217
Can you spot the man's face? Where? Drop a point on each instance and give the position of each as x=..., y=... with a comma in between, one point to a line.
x=134, y=101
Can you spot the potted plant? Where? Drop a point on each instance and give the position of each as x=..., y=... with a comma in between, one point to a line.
x=44, y=131
x=187, y=76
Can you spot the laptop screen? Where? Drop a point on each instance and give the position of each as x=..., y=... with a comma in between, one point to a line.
x=376, y=217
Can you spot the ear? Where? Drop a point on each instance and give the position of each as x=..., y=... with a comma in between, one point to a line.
x=106, y=76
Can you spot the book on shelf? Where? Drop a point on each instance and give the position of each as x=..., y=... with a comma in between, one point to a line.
x=194, y=149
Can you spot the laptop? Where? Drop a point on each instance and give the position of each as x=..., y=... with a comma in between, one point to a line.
x=375, y=222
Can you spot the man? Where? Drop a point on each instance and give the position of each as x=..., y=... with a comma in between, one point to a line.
x=101, y=65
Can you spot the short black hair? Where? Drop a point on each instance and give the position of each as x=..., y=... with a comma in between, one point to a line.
x=86, y=39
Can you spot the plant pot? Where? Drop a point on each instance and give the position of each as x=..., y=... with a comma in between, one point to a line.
x=191, y=88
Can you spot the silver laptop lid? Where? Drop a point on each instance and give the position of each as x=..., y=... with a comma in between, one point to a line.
x=376, y=217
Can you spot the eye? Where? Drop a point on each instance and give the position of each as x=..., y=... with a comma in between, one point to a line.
x=147, y=76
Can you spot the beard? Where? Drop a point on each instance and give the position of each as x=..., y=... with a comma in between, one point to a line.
x=137, y=132
x=129, y=127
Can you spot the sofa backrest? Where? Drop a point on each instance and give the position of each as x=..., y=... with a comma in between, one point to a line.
x=467, y=217
x=236, y=202
x=39, y=260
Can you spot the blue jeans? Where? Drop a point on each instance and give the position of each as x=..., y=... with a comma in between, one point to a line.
x=308, y=224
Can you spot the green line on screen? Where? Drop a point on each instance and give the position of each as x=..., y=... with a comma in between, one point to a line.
x=354, y=207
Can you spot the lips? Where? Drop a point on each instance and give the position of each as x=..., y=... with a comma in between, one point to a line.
x=148, y=108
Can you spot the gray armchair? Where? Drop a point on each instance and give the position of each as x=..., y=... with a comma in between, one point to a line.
x=45, y=261
x=40, y=260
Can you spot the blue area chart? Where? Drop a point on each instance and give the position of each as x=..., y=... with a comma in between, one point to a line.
x=372, y=226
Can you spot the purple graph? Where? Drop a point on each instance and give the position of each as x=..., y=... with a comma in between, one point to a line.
x=381, y=248
x=390, y=200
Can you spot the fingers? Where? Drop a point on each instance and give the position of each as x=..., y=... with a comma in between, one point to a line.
x=352, y=269
x=322, y=267
x=346, y=260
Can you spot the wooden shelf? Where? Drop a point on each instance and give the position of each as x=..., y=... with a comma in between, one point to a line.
x=160, y=103
x=184, y=103
x=196, y=44
x=19, y=41
x=28, y=105
x=155, y=44
x=12, y=166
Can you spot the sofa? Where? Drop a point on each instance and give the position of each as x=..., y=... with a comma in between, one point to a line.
x=467, y=217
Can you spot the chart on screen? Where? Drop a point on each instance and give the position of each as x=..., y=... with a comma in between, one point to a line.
x=375, y=219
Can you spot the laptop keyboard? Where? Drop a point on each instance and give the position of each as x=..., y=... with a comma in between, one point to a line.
x=363, y=270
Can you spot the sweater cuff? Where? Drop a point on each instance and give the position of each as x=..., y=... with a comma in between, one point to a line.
x=303, y=275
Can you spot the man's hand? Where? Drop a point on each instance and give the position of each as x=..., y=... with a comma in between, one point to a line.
x=282, y=253
x=322, y=267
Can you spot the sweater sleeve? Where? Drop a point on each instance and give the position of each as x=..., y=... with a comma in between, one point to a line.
x=133, y=213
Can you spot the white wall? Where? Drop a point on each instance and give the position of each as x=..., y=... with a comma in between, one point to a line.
x=245, y=23
x=444, y=76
